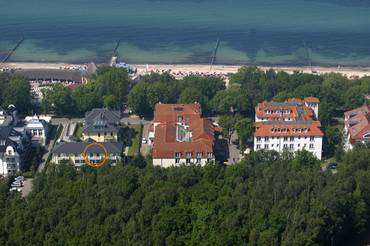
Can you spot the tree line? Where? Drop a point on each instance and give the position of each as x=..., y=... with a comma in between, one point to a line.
x=266, y=199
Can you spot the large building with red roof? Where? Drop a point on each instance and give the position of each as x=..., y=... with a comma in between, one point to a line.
x=180, y=135
x=290, y=125
x=357, y=126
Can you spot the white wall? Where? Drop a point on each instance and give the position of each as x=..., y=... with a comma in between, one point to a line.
x=298, y=143
x=171, y=162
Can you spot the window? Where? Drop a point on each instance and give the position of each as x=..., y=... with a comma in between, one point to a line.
x=291, y=139
x=285, y=138
x=266, y=139
x=177, y=157
x=266, y=146
x=99, y=134
x=312, y=138
x=311, y=146
x=105, y=134
x=285, y=146
x=258, y=139
x=258, y=146
x=291, y=146
x=111, y=134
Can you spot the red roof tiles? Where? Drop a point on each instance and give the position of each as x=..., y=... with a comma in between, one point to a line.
x=287, y=129
x=166, y=121
x=357, y=121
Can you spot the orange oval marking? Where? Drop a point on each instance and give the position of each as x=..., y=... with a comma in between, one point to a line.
x=101, y=163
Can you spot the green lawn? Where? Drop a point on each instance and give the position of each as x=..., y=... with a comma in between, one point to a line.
x=79, y=130
x=136, y=132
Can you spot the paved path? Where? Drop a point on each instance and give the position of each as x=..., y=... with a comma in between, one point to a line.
x=27, y=187
x=145, y=148
x=234, y=152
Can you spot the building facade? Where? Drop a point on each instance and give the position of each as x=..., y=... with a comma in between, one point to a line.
x=72, y=152
x=356, y=127
x=12, y=150
x=180, y=135
x=289, y=126
x=102, y=125
x=37, y=127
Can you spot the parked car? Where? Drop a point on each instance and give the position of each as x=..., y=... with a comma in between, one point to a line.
x=15, y=189
x=16, y=184
x=332, y=165
x=144, y=141
x=19, y=178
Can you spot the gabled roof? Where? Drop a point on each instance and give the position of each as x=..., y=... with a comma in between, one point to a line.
x=165, y=113
x=100, y=120
x=357, y=121
x=295, y=108
x=6, y=132
x=78, y=148
x=57, y=74
x=288, y=129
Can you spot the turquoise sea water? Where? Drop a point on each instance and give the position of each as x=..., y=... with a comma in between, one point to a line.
x=321, y=32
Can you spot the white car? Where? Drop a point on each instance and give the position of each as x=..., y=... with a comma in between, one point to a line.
x=15, y=189
x=19, y=178
x=144, y=141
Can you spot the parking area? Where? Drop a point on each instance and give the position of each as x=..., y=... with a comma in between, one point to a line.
x=145, y=147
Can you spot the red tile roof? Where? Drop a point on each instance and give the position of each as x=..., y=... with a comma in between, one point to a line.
x=287, y=129
x=164, y=113
x=165, y=145
x=295, y=107
x=312, y=100
x=357, y=121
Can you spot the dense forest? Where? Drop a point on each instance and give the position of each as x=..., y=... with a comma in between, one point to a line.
x=266, y=199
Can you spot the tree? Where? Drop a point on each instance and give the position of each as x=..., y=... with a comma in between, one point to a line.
x=228, y=124
x=138, y=101
x=18, y=93
x=244, y=128
x=113, y=82
x=58, y=99
x=191, y=95
x=156, y=93
x=230, y=101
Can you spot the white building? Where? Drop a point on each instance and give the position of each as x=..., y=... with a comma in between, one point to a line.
x=11, y=150
x=73, y=152
x=289, y=126
x=37, y=127
x=292, y=136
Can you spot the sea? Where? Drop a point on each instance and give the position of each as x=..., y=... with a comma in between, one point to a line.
x=256, y=32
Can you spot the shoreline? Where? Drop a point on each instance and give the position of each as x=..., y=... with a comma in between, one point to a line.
x=185, y=69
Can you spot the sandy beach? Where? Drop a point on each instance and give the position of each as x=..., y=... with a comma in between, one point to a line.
x=180, y=70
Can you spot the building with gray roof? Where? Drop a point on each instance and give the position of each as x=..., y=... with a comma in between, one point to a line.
x=102, y=125
x=73, y=152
